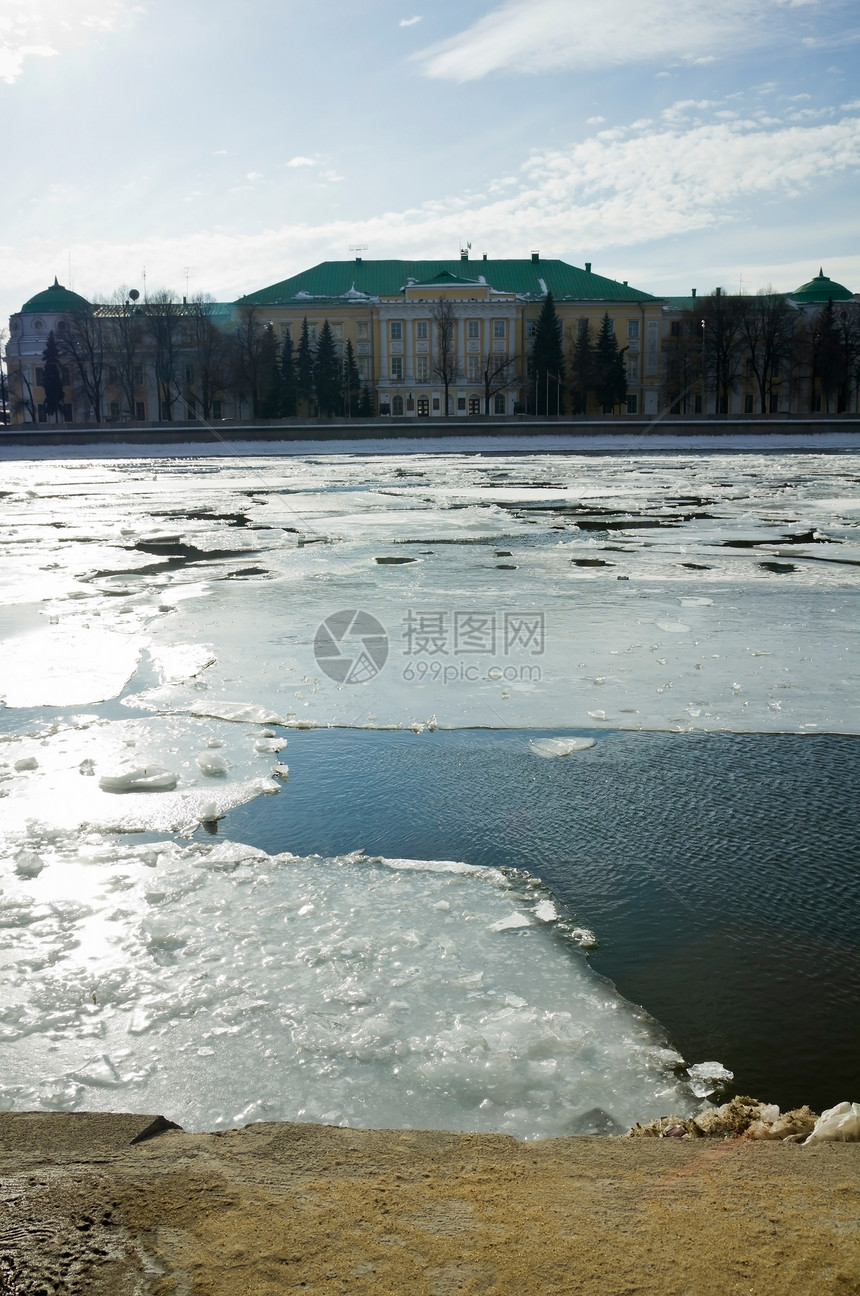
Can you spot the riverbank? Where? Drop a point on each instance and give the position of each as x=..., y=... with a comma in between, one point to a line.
x=454, y=435
x=275, y=1208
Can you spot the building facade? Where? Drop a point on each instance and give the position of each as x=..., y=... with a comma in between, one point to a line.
x=428, y=338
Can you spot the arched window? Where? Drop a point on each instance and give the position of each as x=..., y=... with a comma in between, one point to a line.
x=397, y=406
x=498, y=403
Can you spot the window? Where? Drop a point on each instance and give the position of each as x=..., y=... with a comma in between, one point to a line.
x=422, y=330
x=632, y=366
x=473, y=328
x=286, y=331
x=112, y=374
x=498, y=403
x=189, y=373
x=499, y=329
x=64, y=374
x=632, y=328
x=364, y=368
x=697, y=404
x=361, y=332
x=67, y=413
x=436, y=405
x=336, y=332
x=423, y=407
x=531, y=328
x=40, y=376
x=748, y=369
x=612, y=326
x=397, y=405
x=748, y=404
x=632, y=404
x=138, y=375
x=113, y=409
x=422, y=368
x=775, y=369
x=474, y=404
x=395, y=330
x=140, y=411
x=816, y=403
x=217, y=410
x=397, y=368
x=675, y=328
x=165, y=411
x=774, y=403
x=651, y=348
x=473, y=368
x=461, y=402
x=312, y=334
x=42, y=413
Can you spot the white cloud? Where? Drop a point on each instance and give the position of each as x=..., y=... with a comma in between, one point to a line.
x=44, y=28
x=537, y=36
x=253, y=176
x=595, y=121
x=622, y=189
x=409, y=22
x=301, y=162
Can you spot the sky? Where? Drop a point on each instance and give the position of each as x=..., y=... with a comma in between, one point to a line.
x=218, y=148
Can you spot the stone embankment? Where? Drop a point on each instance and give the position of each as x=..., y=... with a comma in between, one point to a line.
x=91, y=1207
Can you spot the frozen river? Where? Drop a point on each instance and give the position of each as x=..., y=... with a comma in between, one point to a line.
x=186, y=932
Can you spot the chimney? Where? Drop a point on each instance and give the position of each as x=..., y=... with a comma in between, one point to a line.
x=535, y=257
x=718, y=292
x=358, y=260
x=588, y=267
x=694, y=294
x=464, y=256
x=485, y=256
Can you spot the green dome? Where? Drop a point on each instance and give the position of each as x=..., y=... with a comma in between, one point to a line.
x=819, y=289
x=55, y=300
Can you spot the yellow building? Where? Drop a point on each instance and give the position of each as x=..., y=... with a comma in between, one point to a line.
x=390, y=311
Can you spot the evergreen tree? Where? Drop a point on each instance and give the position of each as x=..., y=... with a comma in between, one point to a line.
x=582, y=377
x=547, y=360
x=610, y=377
x=304, y=365
x=351, y=382
x=828, y=367
x=365, y=405
x=289, y=385
x=53, y=379
x=269, y=378
x=327, y=373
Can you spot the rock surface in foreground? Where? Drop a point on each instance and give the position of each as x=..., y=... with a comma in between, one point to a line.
x=277, y=1208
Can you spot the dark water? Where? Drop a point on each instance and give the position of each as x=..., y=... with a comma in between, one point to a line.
x=719, y=872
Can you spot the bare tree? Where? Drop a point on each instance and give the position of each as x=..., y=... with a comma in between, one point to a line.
x=5, y=393
x=768, y=328
x=251, y=357
x=723, y=345
x=210, y=348
x=444, y=361
x=499, y=371
x=123, y=336
x=164, y=315
x=82, y=346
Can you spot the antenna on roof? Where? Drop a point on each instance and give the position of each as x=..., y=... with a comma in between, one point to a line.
x=358, y=247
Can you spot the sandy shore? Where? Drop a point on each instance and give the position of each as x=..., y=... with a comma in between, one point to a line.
x=278, y=1208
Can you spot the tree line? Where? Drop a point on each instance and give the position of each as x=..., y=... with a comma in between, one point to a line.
x=196, y=363
x=561, y=378
x=764, y=342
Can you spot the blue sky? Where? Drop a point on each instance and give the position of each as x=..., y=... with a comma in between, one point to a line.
x=672, y=144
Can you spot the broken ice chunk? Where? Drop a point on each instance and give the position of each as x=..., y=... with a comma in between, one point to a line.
x=511, y=923
x=212, y=765
x=239, y=712
x=28, y=864
x=549, y=748
x=269, y=745
x=144, y=778
x=26, y=763
x=707, y=1077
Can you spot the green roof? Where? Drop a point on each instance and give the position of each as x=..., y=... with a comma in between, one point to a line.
x=529, y=279
x=820, y=289
x=54, y=301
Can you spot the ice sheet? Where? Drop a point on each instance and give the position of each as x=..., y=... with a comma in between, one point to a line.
x=220, y=985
